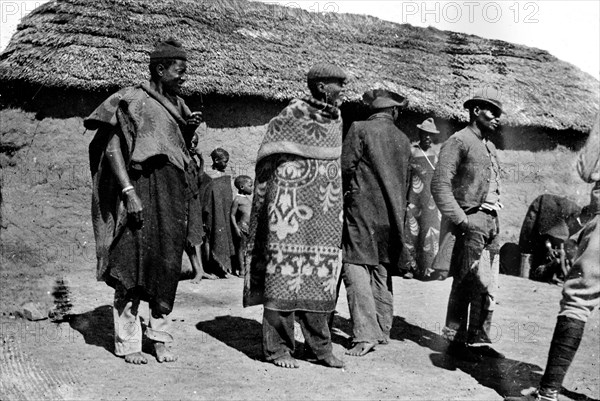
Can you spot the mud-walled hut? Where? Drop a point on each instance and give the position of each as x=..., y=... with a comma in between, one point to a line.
x=248, y=59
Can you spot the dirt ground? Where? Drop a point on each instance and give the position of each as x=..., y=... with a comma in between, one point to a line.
x=219, y=347
x=46, y=234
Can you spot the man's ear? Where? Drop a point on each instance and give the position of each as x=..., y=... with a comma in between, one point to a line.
x=320, y=87
x=160, y=70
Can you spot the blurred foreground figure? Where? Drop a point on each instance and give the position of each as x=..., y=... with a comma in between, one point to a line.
x=466, y=189
x=296, y=222
x=548, y=224
x=581, y=291
x=144, y=187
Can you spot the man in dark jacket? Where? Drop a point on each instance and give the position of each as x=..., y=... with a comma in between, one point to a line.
x=466, y=189
x=375, y=160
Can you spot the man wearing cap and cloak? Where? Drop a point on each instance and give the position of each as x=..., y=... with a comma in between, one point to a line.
x=375, y=161
x=422, y=228
x=466, y=189
x=145, y=199
x=296, y=222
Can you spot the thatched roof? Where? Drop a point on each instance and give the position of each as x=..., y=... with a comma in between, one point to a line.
x=241, y=48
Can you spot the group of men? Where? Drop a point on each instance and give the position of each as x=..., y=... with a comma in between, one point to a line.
x=324, y=207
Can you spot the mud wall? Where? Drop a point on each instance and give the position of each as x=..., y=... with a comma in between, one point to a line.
x=248, y=111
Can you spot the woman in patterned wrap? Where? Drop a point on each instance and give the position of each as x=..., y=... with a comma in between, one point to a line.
x=423, y=218
x=296, y=222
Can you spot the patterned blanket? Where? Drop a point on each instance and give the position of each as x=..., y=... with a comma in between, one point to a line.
x=296, y=221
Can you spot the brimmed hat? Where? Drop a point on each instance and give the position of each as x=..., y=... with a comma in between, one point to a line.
x=428, y=126
x=382, y=99
x=325, y=70
x=168, y=49
x=489, y=96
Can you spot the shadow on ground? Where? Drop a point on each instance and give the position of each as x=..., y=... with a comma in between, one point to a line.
x=576, y=396
x=96, y=327
x=508, y=377
x=244, y=335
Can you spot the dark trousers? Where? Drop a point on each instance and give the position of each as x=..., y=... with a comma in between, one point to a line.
x=370, y=300
x=474, y=280
x=278, y=333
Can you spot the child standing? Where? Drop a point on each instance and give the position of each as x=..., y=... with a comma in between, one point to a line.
x=220, y=240
x=240, y=218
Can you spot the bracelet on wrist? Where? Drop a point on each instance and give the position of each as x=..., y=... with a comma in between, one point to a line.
x=127, y=189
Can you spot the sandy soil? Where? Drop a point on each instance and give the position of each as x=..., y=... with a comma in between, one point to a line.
x=46, y=234
x=219, y=346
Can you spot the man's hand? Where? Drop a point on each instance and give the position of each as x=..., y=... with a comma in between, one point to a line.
x=463, y=227
x=195, y=119
x=134, y=208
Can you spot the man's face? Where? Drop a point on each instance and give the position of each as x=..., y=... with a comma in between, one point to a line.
x=487, y=118
x=334, y=88
x=172, y=78
x=424, y=139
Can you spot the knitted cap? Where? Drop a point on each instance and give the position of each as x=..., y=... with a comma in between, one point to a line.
x=325, y=70
x=168, y=49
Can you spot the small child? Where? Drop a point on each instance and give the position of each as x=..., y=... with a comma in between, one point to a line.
x=240, y=218
x=219, y=246
x=220, y=158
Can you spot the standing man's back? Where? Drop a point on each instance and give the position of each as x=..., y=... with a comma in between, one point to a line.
x=375, y=160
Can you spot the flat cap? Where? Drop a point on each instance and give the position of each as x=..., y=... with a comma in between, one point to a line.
x=382, y=99
x=326, y=70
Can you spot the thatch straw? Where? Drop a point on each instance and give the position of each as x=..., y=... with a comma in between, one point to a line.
x=241, y=48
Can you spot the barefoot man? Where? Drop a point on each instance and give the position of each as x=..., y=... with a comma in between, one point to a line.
x=295, y=223
x=143, y=189
x=375, y=161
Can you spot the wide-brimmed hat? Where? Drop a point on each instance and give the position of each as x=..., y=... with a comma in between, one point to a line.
x=489, y=96
x=382, y=99
x=428, y=126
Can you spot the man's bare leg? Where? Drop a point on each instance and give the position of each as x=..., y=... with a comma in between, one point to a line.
x=137, y=358
x=163, y=354
x=361, y=349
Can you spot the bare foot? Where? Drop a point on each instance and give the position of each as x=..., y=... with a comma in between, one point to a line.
x=164, y=354
x=360, y=349
x=286, y=361
x=384, y=341
x=332, y=362
x=204, y=276
x=136, y=358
